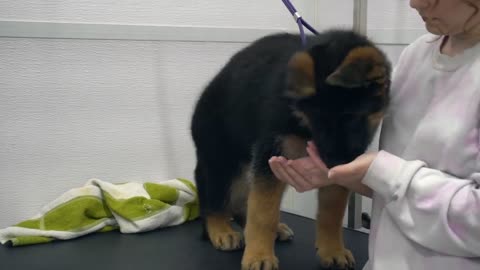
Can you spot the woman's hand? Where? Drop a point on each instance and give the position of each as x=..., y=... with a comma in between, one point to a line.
x=310, y=172
x=303, y=174
x=350, y=175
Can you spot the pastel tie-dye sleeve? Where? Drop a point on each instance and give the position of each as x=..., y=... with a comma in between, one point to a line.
x=432, y=208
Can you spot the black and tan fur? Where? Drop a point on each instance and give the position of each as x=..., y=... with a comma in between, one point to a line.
x=268, y=100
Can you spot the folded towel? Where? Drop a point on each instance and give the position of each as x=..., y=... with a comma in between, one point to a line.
x=100, y=206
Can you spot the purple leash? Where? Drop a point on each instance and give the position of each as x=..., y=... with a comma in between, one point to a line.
x=300, y=21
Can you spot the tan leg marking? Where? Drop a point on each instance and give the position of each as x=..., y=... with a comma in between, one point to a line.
x=332, y=202
x=262, y=224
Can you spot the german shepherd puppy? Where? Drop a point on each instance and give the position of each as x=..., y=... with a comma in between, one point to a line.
x=269, y=100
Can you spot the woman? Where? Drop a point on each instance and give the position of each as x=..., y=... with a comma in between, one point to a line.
x=425, y=179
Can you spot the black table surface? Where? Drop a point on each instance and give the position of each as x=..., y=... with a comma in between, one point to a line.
x=178, y=247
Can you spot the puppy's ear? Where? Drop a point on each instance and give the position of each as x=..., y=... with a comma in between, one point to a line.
x=301, y=76
x=362, y=66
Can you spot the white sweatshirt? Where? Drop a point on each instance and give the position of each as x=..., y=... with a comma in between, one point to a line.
x=426, y=202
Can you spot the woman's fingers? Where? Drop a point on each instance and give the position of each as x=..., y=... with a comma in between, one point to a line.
x=313, y=153
x=278, y=171
x=286, y=174
x=303, y=174
x=301, y=184
x=290, y=175
x=304, y=170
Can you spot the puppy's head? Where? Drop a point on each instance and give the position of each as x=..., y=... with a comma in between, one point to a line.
x=340, y=93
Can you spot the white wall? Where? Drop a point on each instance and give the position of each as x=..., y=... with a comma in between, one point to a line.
x=243, y=14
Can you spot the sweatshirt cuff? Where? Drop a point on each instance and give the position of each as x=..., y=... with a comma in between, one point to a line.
x=382, y=175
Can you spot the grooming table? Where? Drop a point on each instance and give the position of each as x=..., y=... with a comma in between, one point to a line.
x=179, y=247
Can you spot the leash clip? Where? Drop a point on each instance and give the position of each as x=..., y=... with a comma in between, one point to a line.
x=297, y=16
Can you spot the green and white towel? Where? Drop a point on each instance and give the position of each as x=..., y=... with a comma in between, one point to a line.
x=101, y=206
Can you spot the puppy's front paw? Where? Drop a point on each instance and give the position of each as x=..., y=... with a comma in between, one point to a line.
x=259, y=262
x=340, y=258
x=227, y=241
